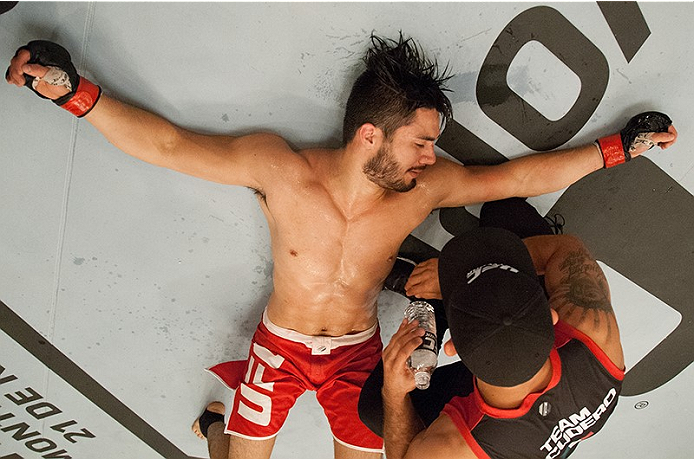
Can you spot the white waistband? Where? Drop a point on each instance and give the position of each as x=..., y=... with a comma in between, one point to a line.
x=318, y=344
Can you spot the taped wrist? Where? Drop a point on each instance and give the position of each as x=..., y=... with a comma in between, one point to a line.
x=612, y=150
x=82, y=100
x=82, y=95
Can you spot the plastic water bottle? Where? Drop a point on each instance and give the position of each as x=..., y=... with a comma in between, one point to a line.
x=424, y=359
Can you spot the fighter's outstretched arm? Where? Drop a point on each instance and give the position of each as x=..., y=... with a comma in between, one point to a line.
x=546, y=172
x=144, y=135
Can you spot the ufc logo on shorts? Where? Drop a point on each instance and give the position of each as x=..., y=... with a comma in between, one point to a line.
x=260, y=359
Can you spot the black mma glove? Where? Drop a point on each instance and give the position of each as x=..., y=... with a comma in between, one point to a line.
x=617, y=148
x=82, y=95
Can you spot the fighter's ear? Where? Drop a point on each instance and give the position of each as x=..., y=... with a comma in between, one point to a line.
x=369, y=135
x=555, y=316
x=449, y=349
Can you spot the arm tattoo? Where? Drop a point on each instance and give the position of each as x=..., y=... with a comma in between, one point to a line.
x=583, y=293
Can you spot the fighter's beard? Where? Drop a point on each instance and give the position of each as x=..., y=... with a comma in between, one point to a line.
x=383, y=170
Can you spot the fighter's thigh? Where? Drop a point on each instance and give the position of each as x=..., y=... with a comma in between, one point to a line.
x=343, y=452
x=242, y=448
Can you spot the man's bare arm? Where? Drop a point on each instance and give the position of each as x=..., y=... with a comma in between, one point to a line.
x=400, y=421
x=223, y=159
x=577, y=289
x=530, y=175
x=400, y=425
x=151, y=138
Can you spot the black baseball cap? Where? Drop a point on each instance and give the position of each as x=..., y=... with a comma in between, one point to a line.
x=498, y=314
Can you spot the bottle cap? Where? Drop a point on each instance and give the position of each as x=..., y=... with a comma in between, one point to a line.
x=421, y=379
x=416, y=308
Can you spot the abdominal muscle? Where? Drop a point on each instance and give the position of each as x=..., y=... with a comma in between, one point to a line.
x=327, y=301
x=322, y=310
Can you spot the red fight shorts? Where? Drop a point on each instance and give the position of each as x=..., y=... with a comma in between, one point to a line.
x=282, y=364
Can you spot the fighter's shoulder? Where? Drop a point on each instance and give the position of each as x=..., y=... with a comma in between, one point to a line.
x=444, y=163
x=446, y=183
x=272, y=152
x=264, y=143
x=268, y=159
x=444, y=169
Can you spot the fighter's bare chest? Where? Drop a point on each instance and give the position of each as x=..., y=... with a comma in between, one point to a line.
x=321, y=220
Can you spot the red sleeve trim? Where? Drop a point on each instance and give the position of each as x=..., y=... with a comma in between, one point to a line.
x=599, y=354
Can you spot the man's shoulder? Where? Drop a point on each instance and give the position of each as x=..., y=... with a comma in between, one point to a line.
x=317, y=154
x=442, y=173
x=267, y=142
x=278, y=153
x=566, y=333
x=441, y=440
x=320, y=162
x=443, y=164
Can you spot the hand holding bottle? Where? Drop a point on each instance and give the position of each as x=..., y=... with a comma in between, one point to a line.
x=424, y=358
x=397, y=376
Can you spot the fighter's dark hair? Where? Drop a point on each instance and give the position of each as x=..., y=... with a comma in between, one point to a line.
x=397, y=81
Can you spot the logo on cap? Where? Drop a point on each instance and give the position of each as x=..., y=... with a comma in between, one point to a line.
x=475, y=273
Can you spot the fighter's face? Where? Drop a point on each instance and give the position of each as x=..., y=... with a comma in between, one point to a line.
x=406, y=154
x=385, y=171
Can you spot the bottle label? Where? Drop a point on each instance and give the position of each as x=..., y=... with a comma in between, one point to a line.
x=429, y=342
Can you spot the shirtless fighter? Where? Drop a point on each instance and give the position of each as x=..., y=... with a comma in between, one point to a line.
x=337, y=218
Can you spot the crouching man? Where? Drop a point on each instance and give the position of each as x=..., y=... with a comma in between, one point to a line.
x=540, y=370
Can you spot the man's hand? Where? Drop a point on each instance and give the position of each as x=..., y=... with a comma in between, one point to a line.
x=47, y=69
x=400, y=423
x=642, y=132
x=50, y=88
x=664, y=139
x=398, y=379
x=647, y=141
x=424, y=280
